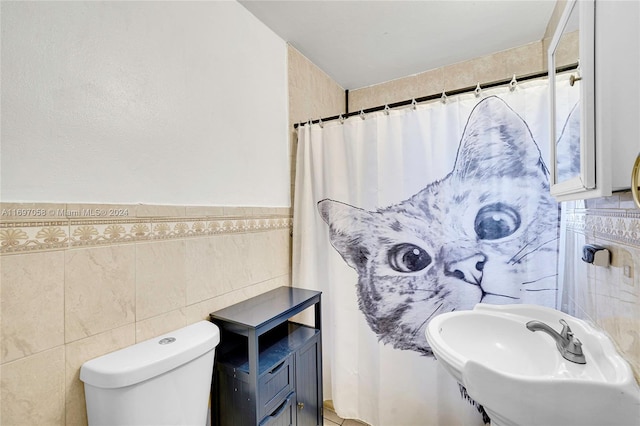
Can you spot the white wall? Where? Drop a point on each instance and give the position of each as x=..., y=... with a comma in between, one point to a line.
x=142, y=102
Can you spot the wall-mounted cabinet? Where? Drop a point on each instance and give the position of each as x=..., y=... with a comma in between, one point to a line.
x=595, y=110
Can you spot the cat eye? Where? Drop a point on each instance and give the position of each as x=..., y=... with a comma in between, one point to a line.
x=408, y=258
x=496, y=221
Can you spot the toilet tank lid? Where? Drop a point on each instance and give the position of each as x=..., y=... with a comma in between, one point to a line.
x=150, y=358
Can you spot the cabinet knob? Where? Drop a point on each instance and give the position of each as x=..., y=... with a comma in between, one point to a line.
x=300, y=405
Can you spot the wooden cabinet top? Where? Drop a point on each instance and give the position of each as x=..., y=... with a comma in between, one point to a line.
x=268, y=309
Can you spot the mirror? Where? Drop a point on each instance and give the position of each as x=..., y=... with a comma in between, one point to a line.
x=572, y=100
x=567, y=100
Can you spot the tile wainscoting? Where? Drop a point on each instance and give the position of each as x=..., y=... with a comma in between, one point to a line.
x=76, y=285
x=78, y=281
x=608, y=297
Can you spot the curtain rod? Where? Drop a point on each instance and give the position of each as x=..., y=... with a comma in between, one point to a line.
x=526, y=77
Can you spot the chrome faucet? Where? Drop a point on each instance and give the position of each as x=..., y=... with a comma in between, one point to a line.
x=568, y=345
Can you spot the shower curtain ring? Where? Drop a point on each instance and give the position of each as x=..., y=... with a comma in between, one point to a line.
x=443, y=98
x=513, y=83
x=414, y=104
x=341, y=119
x=478, y=90
x=362, y=115
x=320, y=123
x=386, y=109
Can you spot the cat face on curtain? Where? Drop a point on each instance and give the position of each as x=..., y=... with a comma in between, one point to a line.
x=487, y=232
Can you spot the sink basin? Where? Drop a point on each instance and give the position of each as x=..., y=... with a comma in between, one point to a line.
x=520, y=377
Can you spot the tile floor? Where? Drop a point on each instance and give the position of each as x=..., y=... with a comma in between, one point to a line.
x=332, y=419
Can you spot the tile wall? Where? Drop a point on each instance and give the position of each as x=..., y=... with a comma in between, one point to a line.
x=520, y=60
x=608, y=297
x=312, y=95
x=78, y=281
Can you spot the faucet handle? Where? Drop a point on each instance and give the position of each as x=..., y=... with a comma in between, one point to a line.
x=575, y=349
x=566, y=332
x=573, y=346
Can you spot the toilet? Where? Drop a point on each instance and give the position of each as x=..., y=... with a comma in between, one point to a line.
x=161, y=381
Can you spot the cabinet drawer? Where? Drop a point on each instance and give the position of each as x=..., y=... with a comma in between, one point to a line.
x=283, y=414
x=275, y=385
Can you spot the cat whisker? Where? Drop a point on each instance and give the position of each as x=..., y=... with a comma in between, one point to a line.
x=417, y=330
x=540, y=289
x=539, y=279
x=513, y=260
x=501, y=295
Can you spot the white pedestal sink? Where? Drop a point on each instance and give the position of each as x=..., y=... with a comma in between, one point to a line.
x=520, y=377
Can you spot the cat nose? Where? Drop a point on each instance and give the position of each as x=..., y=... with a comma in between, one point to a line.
x=469, y=269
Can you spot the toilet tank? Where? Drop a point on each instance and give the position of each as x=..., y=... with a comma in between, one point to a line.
x=162, y=381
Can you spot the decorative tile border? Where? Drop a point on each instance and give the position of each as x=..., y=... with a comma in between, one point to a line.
x=19, y=235
x=613, y=224
x=28, y=236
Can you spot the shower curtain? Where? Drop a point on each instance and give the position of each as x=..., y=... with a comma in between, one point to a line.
x=402, y=215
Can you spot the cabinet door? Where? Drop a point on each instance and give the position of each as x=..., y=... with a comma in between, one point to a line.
x=572, y=106
x=595, y=142
x=308, y=383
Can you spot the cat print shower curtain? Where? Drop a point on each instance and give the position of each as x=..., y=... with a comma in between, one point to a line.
x=410, y=213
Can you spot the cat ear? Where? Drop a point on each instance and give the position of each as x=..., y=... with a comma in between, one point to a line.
x=348, y=228
x=497, y=143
